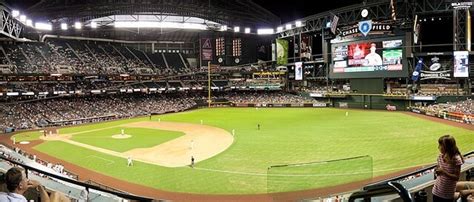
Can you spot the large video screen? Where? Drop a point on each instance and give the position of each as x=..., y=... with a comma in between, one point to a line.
x=368, y=59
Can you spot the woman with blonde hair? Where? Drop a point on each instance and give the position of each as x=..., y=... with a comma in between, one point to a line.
x=448, y=170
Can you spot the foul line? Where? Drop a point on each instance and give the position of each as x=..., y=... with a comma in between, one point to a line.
x=98, y=157
x=93, y=130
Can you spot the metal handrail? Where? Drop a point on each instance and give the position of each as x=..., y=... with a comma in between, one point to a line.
x=398, y=178
x=382, y=189
x=390, y=186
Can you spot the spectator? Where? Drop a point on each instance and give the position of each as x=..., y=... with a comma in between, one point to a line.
x=465, y=190
x=17, y=184
x=448, y=169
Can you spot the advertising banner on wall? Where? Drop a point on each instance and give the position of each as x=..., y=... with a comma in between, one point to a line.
x=206, y=49
x=461, y=64
x=436, y=67
x=298, y=71
x=282, y=51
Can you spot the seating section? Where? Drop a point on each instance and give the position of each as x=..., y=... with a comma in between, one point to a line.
x=87, y=57
x=65, y=111
x=439, y=89
x=267, y=98
x=462, y=111
x=429, y=90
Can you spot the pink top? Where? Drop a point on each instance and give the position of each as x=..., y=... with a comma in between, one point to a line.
x=444, y=186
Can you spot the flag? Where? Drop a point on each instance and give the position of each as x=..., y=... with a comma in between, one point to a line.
x=416, y=73
x=392, y=5
x=334, y=22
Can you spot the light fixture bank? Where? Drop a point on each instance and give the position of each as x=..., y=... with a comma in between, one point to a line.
x=144, y=24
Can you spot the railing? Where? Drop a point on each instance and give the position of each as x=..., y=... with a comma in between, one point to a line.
x=380, y=190
x=414, y=172
x=87, y=186
x=390, y=186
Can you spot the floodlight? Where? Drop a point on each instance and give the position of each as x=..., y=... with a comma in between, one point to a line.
x=298, y=23
x=78, y=25
x=280, y=29
x=63, y=26
x=147, y=24
x=15, y=13
x=236, y=29
x=93, y=24
x=288, y=26
x=23, y=18
x=247, y=30
x=43, y=26
x=265, y=31
x=223, y=28
x=29, y=22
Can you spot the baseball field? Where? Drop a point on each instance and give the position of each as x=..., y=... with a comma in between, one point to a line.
x=249, y=150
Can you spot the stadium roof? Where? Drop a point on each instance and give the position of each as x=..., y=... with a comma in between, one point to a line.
x=213, y=14
x=237, y=12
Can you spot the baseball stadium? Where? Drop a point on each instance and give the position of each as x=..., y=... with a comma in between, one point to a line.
x=166, y=100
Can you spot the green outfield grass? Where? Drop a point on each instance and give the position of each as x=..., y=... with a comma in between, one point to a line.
x=287, y=136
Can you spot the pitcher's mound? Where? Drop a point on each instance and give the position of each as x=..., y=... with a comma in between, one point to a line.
x=120, y=136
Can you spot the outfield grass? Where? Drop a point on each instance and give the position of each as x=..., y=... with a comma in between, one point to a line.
x=287, y=136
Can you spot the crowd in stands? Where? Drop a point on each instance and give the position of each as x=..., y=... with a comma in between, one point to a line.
x=428, y=89
x=86, y=85
x=64, y=111
x=318, y=89
x=78, y=110
x=267, y=98
x=255, y=82
x=462, y=111
x=82, y=57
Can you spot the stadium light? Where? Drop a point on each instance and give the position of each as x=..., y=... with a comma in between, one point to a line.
x=247, y=30
x=288, y=26
x=78, y=25
x=265, y=31
x=63, y=26
x=43, y=26
x=15, y=13
x=29, y=22
x=223, y=28
x=23, y=18
x=93, y=24
x=299, y=23
x=143, y=24
x=236, y=29
x=279, y=29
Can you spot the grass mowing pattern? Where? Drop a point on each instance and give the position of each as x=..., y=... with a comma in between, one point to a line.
x=284, y=178
x=287, y=136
